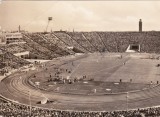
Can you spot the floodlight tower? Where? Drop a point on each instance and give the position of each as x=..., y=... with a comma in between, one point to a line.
x=49, y=20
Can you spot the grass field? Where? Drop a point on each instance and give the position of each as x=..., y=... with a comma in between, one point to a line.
x=136, y=73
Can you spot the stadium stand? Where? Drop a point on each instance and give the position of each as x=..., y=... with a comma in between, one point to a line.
x=60, y=43
x=56, y=41
x=53, y=46
x=12, y=109
x=34, y=53
x=54, y=49
x=13, y=48
x=151, y=42
x=79, y=38
x=119, y=41
x=63, y=36
x=33, y=44
x=8, y=62
x=95, y=40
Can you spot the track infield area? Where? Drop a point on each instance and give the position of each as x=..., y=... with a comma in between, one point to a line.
x=97, y=82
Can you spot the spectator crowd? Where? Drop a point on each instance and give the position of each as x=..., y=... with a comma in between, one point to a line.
x=14, y=109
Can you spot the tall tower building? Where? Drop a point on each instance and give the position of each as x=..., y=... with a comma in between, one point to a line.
x=140, y=25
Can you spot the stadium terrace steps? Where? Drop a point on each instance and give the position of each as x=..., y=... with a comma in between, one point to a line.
x=34, y=52
x=54, y=46
x=62, y=46
x=12, y=61
x=93, y=45
x=151, y=43
x=110, y=44
x=13, y=48
x=78, y=37
x=95, y=40
x=37, y=47
x=58, y=43
x=61, y=43
x=42, y=43
x=67, y=39
x=50, y=46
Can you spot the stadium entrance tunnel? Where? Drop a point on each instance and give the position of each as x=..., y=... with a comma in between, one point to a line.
x=133, y=48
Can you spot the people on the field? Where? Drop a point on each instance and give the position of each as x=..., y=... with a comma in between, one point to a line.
x=124, y=63
x=120, y=80
x=130, y=80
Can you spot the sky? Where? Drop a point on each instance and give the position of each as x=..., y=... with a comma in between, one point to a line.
x=79, y=15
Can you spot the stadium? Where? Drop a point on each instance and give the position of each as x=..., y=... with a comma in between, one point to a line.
x=81, y=62
x=74, y=74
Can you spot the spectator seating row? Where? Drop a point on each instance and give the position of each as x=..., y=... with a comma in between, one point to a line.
x=9, y=108
x=33, y=44
x=54, y=49
x=62, y=45
x=67, y=39
x=79, y=38
x=95, y=40
x=8, y=59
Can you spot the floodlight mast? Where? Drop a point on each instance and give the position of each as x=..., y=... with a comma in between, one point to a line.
x=49, y=19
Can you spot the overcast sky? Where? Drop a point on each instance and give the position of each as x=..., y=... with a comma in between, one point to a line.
x=80, y=15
